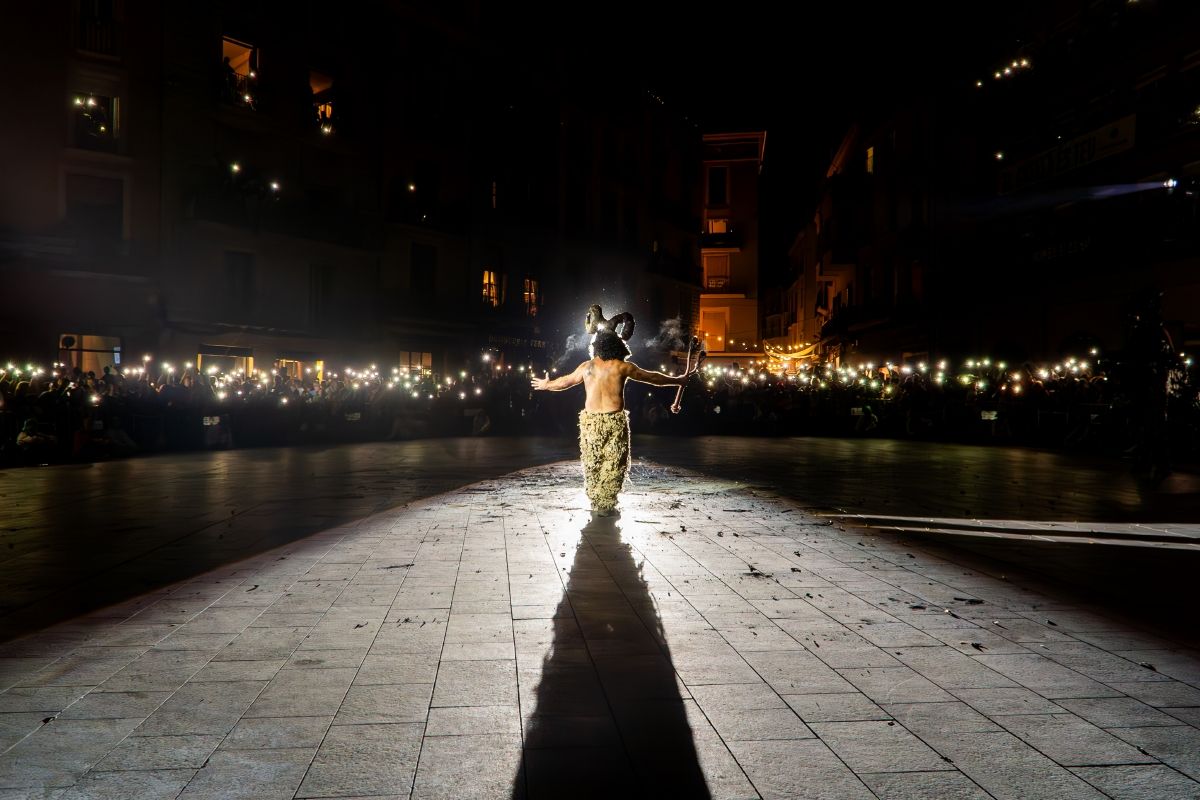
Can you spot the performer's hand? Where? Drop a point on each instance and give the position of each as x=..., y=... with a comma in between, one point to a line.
x=539, y=384
x=676, y=408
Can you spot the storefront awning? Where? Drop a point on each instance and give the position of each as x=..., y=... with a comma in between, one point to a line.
x=229, y=351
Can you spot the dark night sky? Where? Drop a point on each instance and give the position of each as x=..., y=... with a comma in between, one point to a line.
x=801, y=70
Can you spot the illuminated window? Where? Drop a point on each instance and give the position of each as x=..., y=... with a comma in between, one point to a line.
x=239, y=72
x=89, y=353
x=321, y=86
x=531, y=297
x=414, y=362
x=224, y=358
x=713, y=325
x=718, y=226
x=716, y=271
x=96, y=121
x=718, y=186
x=870, y=160
x=491, y=290
x=289, y=367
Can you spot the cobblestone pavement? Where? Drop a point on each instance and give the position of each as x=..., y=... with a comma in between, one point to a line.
x=495, y=641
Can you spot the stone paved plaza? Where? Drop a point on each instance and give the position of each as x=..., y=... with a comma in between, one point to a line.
x=495, y=641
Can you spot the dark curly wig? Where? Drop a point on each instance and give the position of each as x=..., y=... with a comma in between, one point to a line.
x=609, y=346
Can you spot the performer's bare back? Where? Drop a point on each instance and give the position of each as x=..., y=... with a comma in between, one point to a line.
x=604, y=382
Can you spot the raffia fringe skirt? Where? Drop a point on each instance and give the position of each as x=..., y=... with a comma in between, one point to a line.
x=604, y=450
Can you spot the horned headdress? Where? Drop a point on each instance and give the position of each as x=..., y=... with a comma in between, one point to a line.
x=621, y=324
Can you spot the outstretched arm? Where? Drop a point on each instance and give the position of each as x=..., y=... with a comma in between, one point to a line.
x=560, y=383
x=636, y=373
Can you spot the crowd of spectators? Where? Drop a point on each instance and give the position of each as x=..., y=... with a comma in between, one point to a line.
x=62, y=412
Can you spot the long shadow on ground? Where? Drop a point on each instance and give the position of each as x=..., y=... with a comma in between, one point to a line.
x=607, y=718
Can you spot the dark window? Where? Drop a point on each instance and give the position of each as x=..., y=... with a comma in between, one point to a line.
x=239, y=281
x=718, y=186
x=96, y=28
x=422, y=277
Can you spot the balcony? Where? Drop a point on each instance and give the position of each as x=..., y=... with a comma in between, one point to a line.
x=239, y=73
x=238, y=90
x=728, y=240
x=80, y=251
x=98, y=36
x=321, y=86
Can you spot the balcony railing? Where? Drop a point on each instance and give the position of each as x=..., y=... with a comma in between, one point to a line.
x=100, y=36
x=729, y=240
x=239, y=89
